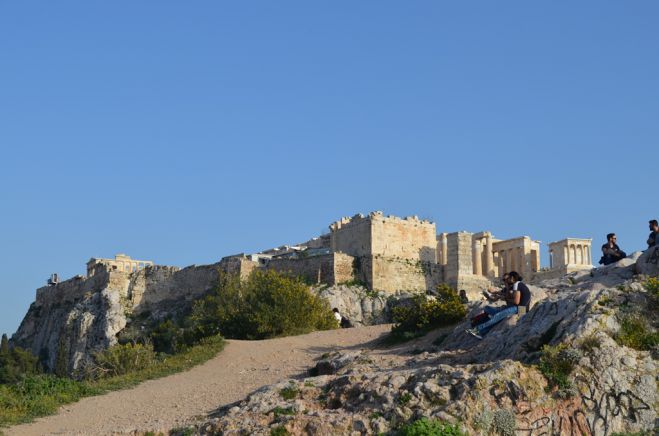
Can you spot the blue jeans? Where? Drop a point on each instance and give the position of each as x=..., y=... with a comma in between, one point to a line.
x=493, y=310
x=497, y=314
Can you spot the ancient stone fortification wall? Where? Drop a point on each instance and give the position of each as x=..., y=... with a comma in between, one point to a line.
x=331, y=268
x=459, y=257
x=392, y=253
x=239, y=264
x=351, y=236
x=150, y=287
x=395, y=274
x=408, y=238
x=69, y=291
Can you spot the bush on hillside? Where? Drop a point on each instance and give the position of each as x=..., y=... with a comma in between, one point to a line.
x=16, y=363
x=119, y=360
x=556, y=364
x=423, y=314
x=267, y=304
x=635, y=332
x=430, y=427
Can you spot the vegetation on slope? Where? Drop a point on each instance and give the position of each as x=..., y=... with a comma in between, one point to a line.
x=41, y=394
x=267, y=304
x=423, y=314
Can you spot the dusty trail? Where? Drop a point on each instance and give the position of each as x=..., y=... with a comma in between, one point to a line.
x=173, y=401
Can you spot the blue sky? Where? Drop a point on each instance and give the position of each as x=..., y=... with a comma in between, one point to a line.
x=185, y=131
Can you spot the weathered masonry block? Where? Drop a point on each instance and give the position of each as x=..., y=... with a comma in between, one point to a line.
x=392, y=253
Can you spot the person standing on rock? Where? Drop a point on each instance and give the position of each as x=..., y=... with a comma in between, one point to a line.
x=654, y=228
x=611, y=253
x=519, y=302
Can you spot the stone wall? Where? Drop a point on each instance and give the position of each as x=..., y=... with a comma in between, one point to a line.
x=459, y=257
x=238, y=264
x=351, y=236
x=392, y=253
x=331, y=268
x=408, y=238
x=151, y=287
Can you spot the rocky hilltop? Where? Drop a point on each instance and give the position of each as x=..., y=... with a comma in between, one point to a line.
x=493, y=386
x=71, y=320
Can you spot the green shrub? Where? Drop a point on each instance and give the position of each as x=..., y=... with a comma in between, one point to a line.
x=557, y=363
x=288, y=393
x=404, y=398
x=504, y=422
x=279, y=431
x=652, y=286
x=168, y=337
x=266, y=305
x=279, y=411
x=635, y=332
x=589, y=343
x=423, y=314
x=119, y=360
x=16, y=363
x=38, y=395
x=430, y=427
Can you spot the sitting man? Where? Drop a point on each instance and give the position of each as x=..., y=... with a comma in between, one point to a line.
x=492, y=294
x=611, y=253
x=518, y=300
x=654, y=236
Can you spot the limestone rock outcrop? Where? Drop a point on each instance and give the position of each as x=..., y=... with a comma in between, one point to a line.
x=648, y=262
x=360, y=306
x=493, y=386
x=71, y=320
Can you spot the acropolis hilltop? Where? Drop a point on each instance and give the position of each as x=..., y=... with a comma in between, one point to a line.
x=390, y=254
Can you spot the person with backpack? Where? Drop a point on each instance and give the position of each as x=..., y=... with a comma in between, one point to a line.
x=611, y=253
x=518, y=301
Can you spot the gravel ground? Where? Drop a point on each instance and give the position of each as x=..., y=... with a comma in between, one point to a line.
x=180, y=399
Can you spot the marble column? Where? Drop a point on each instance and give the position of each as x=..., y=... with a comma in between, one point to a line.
x=476, y=254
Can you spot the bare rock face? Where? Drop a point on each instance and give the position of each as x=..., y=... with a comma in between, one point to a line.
x=70, y=321
x=360, y=306
x=648, y=262
x=493, y=386
x=65, y=324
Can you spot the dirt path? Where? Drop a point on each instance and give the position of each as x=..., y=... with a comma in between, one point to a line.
x=166, y=403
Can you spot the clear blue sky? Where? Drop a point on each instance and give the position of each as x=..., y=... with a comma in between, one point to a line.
x=185, y=131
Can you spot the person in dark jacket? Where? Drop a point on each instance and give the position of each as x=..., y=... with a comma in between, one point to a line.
x=611, y=253
x=652, y=240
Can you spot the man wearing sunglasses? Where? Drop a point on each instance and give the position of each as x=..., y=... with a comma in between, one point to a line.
x=611, y=253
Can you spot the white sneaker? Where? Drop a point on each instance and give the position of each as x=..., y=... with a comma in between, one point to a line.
x=474, y=333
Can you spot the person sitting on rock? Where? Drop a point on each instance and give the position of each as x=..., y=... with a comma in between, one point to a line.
x=337, y=315
x=493, y=294
x=653, y=240
x=611, y=253
x=518, y=300
x=344, y=322
x=463, y=296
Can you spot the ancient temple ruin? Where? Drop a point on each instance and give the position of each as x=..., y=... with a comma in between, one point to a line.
x=388, y=253
x=121, y=262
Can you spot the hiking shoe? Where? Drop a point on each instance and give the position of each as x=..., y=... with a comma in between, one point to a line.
x=474, y=333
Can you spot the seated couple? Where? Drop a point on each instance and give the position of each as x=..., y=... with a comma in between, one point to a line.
x=518, y=300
